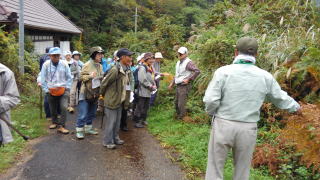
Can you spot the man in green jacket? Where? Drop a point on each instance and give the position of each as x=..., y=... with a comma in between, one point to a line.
x=113, y=88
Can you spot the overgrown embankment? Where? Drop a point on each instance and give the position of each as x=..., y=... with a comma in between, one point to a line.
x=289, y=39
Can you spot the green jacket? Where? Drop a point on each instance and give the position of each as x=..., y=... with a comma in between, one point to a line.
x=113, y=87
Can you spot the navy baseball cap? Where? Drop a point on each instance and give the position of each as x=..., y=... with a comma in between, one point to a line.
x=124, y=52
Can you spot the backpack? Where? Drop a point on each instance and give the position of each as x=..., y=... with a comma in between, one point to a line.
x=135, y=75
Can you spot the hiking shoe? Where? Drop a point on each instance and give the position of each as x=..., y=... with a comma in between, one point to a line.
x=89, y=130
x=145, y=123
x=63, y=130
x=53, y=126
x=70, y=109
x=80, y=133
x=138, y=125
x=110, y=146
x=49, y=119
x=119, y=142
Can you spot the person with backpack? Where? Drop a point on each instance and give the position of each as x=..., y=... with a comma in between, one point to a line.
x=113, y=89
x=75, y=72
x=91, y=76
x=126, y=104
x=145, y=87
x=56, y=82
x=234, y=97
x=9, y=98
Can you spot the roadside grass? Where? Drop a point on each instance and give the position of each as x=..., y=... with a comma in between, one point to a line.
x=190, y=140
x=26, y=118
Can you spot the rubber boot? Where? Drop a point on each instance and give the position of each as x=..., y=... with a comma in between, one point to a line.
x=89, y=130
x=80, y=133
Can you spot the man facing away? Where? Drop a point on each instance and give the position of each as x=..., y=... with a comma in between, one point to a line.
x=186, y=71
x=235, y=96
x=56, y=81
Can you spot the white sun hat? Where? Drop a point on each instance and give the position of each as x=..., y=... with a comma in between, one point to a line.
x=183, y=50
x=158, y=55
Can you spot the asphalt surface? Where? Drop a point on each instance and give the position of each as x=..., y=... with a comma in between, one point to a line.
x=63, y=157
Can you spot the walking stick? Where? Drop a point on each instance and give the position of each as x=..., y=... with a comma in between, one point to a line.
x=40, y=103
x=16, y=130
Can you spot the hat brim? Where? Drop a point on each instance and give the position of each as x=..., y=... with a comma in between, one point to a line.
x=130, y=53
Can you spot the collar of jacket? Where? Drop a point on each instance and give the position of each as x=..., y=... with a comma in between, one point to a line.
x=2, y=68
x=150, y=68
x=119, y=67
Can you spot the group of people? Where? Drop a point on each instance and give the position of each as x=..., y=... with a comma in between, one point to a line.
x=233, y=98
x=112, y=86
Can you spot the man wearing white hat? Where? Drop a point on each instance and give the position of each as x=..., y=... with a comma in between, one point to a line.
x=75, y=73
x=76, y=55
x=186, y=72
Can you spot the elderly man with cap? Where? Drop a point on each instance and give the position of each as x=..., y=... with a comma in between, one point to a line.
x=75, y=72
x=146, y=86
x=235, y=96
x=186, y=72
x=91, y=76
x=56, y=81
x=113, y=88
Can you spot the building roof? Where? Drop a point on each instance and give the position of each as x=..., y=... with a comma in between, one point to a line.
x=40, y=14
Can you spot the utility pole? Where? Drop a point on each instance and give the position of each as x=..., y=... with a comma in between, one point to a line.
x=21, y=37
x=136, y=22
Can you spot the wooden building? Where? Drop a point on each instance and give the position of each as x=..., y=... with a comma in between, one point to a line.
x=44, y=24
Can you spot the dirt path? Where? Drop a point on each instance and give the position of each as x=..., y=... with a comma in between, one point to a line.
x=60, y=157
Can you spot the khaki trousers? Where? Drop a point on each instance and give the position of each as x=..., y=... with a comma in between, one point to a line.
x=226, y=135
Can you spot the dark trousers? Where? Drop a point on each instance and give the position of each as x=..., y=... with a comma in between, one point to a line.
x=54, y=103
x=182, y=92
x=141, y=111
x=47, y=107
x=154, y=96
x=124, y=117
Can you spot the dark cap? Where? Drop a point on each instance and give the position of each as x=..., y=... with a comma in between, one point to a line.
x=247, y=45
x=148, y=55
x=124, y=52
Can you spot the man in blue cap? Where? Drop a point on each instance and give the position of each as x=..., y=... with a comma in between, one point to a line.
x=56, y=82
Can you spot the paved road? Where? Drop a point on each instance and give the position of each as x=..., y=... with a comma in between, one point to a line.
x=63, y=157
